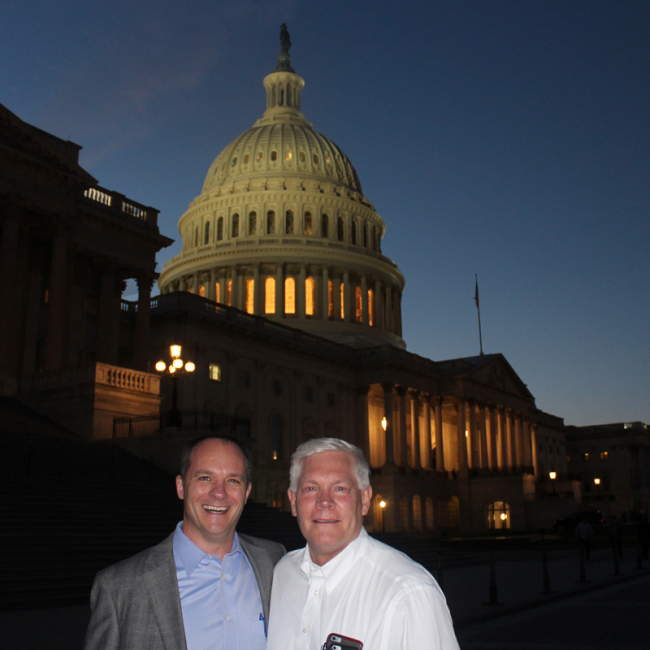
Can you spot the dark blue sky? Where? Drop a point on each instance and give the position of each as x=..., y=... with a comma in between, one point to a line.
x=505, y=138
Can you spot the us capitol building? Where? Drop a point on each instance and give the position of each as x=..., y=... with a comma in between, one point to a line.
x=283, y=302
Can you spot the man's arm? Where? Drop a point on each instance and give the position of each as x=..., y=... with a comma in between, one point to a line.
x=103, y=630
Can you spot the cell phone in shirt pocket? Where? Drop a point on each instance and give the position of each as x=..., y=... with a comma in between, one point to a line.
x=340, y=642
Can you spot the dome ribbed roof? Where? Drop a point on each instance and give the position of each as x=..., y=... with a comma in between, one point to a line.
x=285, y=149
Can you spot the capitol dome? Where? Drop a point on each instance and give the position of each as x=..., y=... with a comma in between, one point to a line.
x=282, y=230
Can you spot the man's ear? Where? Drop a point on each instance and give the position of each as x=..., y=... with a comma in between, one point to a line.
x=366, y=498
x=292, y=498
x=248, y=491
x=179, y=488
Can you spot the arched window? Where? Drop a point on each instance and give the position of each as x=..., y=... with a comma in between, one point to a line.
x=342, y=301
x=252, y=223
x=235, y=225
x=330, y=299
x=498, y=514
x=269, y=296
x=339, y=229
x=325, y=226
x=270, y=222
x=219, y=228
x=202, y=291
x=250, y=295
x=309, y=296
x=229, y=293
x=358, y=304
x=288, y=222
x=274, y=155
x=206, y=239
x=281, y=96
x=371, y=307
x=217, y=292
x=277, y=451
x=306, y=230
x=289, y=296
x=196, y=236
x=354, y=232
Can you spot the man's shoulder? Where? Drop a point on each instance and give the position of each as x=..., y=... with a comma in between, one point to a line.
x=395, y=565
x=273, y=549
x=137, y=565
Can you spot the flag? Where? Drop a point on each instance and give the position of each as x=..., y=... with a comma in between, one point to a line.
x=476, y=294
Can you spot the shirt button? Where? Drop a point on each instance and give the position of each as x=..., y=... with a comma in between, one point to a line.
x=228, y=617
x=315, y=592
x=223, y=577
x=304, y=630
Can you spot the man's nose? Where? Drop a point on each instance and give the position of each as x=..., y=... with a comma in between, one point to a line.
x=324, y=499
x=218, y=489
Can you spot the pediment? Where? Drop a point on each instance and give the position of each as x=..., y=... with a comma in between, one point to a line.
x=495, y=371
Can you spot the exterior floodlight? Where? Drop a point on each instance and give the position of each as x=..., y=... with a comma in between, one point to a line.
x=177, y=363
x=384, y=425
x=175, y=351
x=190, y=367
x=553, y=475
x=382, y=504
x=161, y=366
x=597, y=481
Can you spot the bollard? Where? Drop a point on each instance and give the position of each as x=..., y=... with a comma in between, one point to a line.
x=617, y=570
x=440, y=581
x=583, y=570
x=493, y=581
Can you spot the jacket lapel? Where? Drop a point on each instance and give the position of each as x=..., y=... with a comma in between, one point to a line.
x=263, y=570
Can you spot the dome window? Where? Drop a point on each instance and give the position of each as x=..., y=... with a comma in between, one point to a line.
x=234, y=161
x=307, y=227
x=289, y=222
x=269, y=296
x=339, y=229
x=358, y=305
x=328, y=160
x=315, y=159
x=270, y=222
x=325, y=226
x=288, y=156
x=252, y=223
x=207, y=233
x=289, y=296
x=246, y=159
x=274, y=155
x=235, y=225
x=220, y=229
x=310, y=299
x=260, y=155
x=302, y=157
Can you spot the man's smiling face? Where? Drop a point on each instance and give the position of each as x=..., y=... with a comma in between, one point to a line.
x=329, y=504
x=214, y=493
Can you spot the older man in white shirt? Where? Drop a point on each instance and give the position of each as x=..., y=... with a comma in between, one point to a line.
x=344, y=581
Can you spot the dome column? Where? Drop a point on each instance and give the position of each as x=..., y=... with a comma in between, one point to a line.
x=364, y=300
x=212, y=289
x=279, y=291
x=389, y=309
x=378, y=317
x=346, y=297
x=325, y=294
x=257, y=293
x=300, y=293
x=234, y=288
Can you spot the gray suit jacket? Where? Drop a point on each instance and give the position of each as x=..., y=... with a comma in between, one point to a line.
x=136, y=604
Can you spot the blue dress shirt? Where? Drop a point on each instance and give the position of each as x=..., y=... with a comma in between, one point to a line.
x=220, y=601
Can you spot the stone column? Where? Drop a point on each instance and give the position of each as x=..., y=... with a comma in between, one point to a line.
x=212, y=289
x=388, y=412
x=527, y=451
x=512, y=442
x=364, y=300
x=195, y=283
x=473, y=436
x=533, y=446
x=223, y=285
x=519, y=440
x=440, y=447
x=415, y=428
x=142, y=319
x=426, y=458
x=504, y=437
x=279, y=291
x=105, y=320
x=234, y=289
x=325, y=296
x=494, y=436
x=348, y=317
x=462, y=439
x=378, y=316
x=300, y=293
x=336, y=297
x=482, y=429
x=53, y=356
x=257, y=293
x=403, y=448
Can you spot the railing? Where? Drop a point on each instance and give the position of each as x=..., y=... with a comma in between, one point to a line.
x=187, y=419
x=119, y=204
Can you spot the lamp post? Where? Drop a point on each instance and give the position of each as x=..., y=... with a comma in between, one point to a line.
x=553, y=476
x=177, y=368
x=597, y=482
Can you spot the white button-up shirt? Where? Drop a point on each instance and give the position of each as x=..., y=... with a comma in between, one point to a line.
x=369, y=592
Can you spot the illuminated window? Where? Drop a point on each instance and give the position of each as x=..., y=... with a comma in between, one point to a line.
x=342, y=301
x=498, y=515
x=339, y=228
x=202, y=292
x=288, y=156
x=206, y=239
x=217, y=292
x=269, y=296
x=371, y=306
x=220, y=229
x=229, y=293
x=359, y=306
x=274, y=155
x=252, y=223
x=309, y=296
x=235, y=225
x=289, y=296
x=324, y=226
x=288, y=222
x=250, y=295
x=214, y=372
x=270, y=222
x=330, y=299
x=307, y=224
x=604, y=455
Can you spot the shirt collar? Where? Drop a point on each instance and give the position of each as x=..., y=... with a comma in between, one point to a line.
x=190, y=555
x=340, y=564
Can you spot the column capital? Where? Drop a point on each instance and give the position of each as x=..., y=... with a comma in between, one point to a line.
x=400, y=390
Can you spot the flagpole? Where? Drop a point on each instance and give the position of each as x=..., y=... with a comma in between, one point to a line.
x=478, y=309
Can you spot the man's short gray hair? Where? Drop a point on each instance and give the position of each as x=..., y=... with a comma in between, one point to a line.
x=319, y=445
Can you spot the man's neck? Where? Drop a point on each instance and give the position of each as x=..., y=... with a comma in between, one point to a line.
x=220, y=548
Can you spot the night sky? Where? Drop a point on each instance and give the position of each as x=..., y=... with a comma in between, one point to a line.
x=508, y=139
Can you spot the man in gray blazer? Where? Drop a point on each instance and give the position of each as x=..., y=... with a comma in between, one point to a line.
x=205, y=586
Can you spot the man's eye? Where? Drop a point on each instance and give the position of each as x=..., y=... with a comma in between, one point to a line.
x=236, y=481
x=204, y=478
